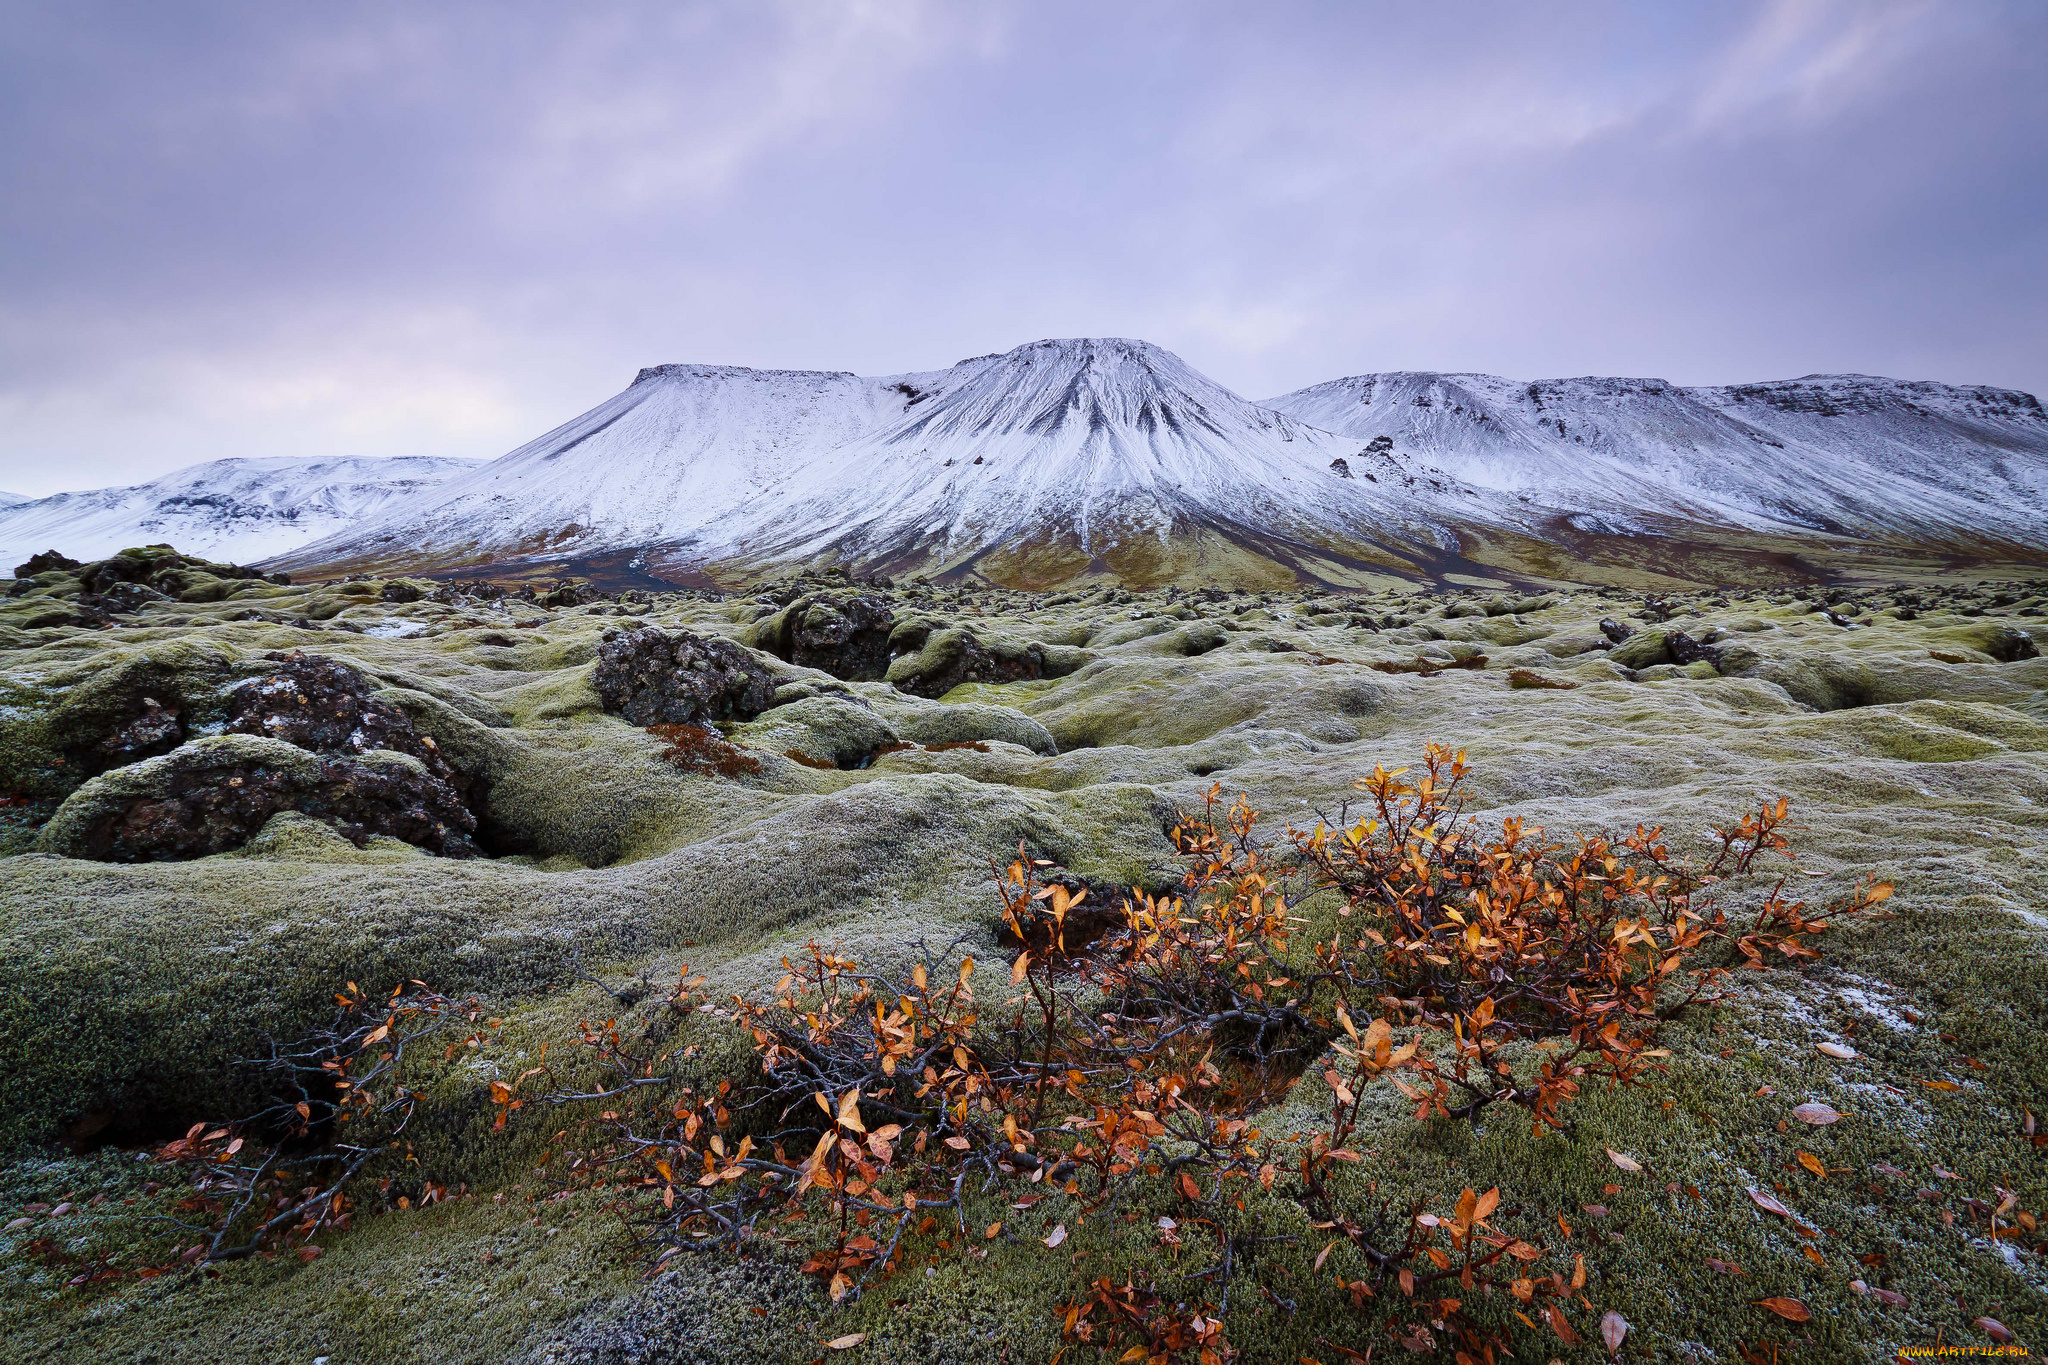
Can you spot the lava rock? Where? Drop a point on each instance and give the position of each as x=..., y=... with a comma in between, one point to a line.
x=1686, y=650
x=215, y=794
x=327, y=707
x=49, y=561
x=652, y=676
x=844, y=635
x=123, y=597
x=158, y=729
x=2009, y=644
x=1615, y=630
x=398, y=590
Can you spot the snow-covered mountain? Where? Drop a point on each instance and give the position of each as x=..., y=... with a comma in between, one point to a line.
x=1112, y=457
x=1069, y=454
x=1841, y=454
x=12, y=499
x=239, y=510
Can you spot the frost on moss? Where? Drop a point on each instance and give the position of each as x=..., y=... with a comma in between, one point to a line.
x=127, y=993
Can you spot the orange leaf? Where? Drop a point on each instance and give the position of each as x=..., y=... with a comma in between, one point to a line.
x=1812, y=1163
x=1792, y=1310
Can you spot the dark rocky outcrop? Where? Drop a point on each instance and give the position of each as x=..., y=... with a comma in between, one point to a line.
x=215, y=794
x=327, y=707
x=652, y=676
x=846, y=634
x=49, y=561
x=2009, y=645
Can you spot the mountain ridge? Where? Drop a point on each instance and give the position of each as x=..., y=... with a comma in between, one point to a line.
x=238, y=508
x=1111, y=457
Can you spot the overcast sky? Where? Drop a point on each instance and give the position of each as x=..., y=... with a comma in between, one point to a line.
x=292, y=229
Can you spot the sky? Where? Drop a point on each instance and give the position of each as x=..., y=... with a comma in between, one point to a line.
x=236, y=229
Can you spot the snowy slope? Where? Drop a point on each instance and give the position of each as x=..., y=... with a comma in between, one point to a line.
x=1098, y=437
x=12, y=499
x=664, y=462
x=1093, y=454
x=238, y=510
x=1093, y=440
x=1836, y=453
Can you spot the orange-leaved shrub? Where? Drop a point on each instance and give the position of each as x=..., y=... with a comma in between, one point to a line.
x=894, y=1108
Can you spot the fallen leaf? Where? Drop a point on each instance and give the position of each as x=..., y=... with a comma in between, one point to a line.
x=1726, y=1267
x=1996, y=1330
x=1059, y=1234
x=1613, y=1327
x=1941, y=1085
x=847, y=1342
x=1888, y=1297
x=1816, y=1114
x=1835, y=1050
x=1557, y=1322
x=993, y=1229
x=1812, y=1163
x=1769, y=1204
x=1792, y=1310
x=1626, y=1163
x=1814, y=1256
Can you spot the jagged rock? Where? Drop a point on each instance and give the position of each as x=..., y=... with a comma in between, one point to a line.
x=1686, y=650
x=398, y=590
x=1615, y=630
x=49, y=561
x=326, y=707
x=2009, y=644
x=651, y=676
x=123, y=597
x=214, y=794
x=844, y=635
x=165, y=570
x=157, y=730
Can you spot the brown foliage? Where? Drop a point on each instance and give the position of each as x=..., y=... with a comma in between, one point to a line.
x=1529, y=678
x=1429, y=668
x=894, y=1107
x=695, y=749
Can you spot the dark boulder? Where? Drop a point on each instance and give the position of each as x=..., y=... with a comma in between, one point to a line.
x=1615, y=630
x=652, y=676
x=123, y=597
x=327, y=707
x=49, y=561
x=846, y=635
x=1686, y=650
x=2009, y=645
x=214, y=795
